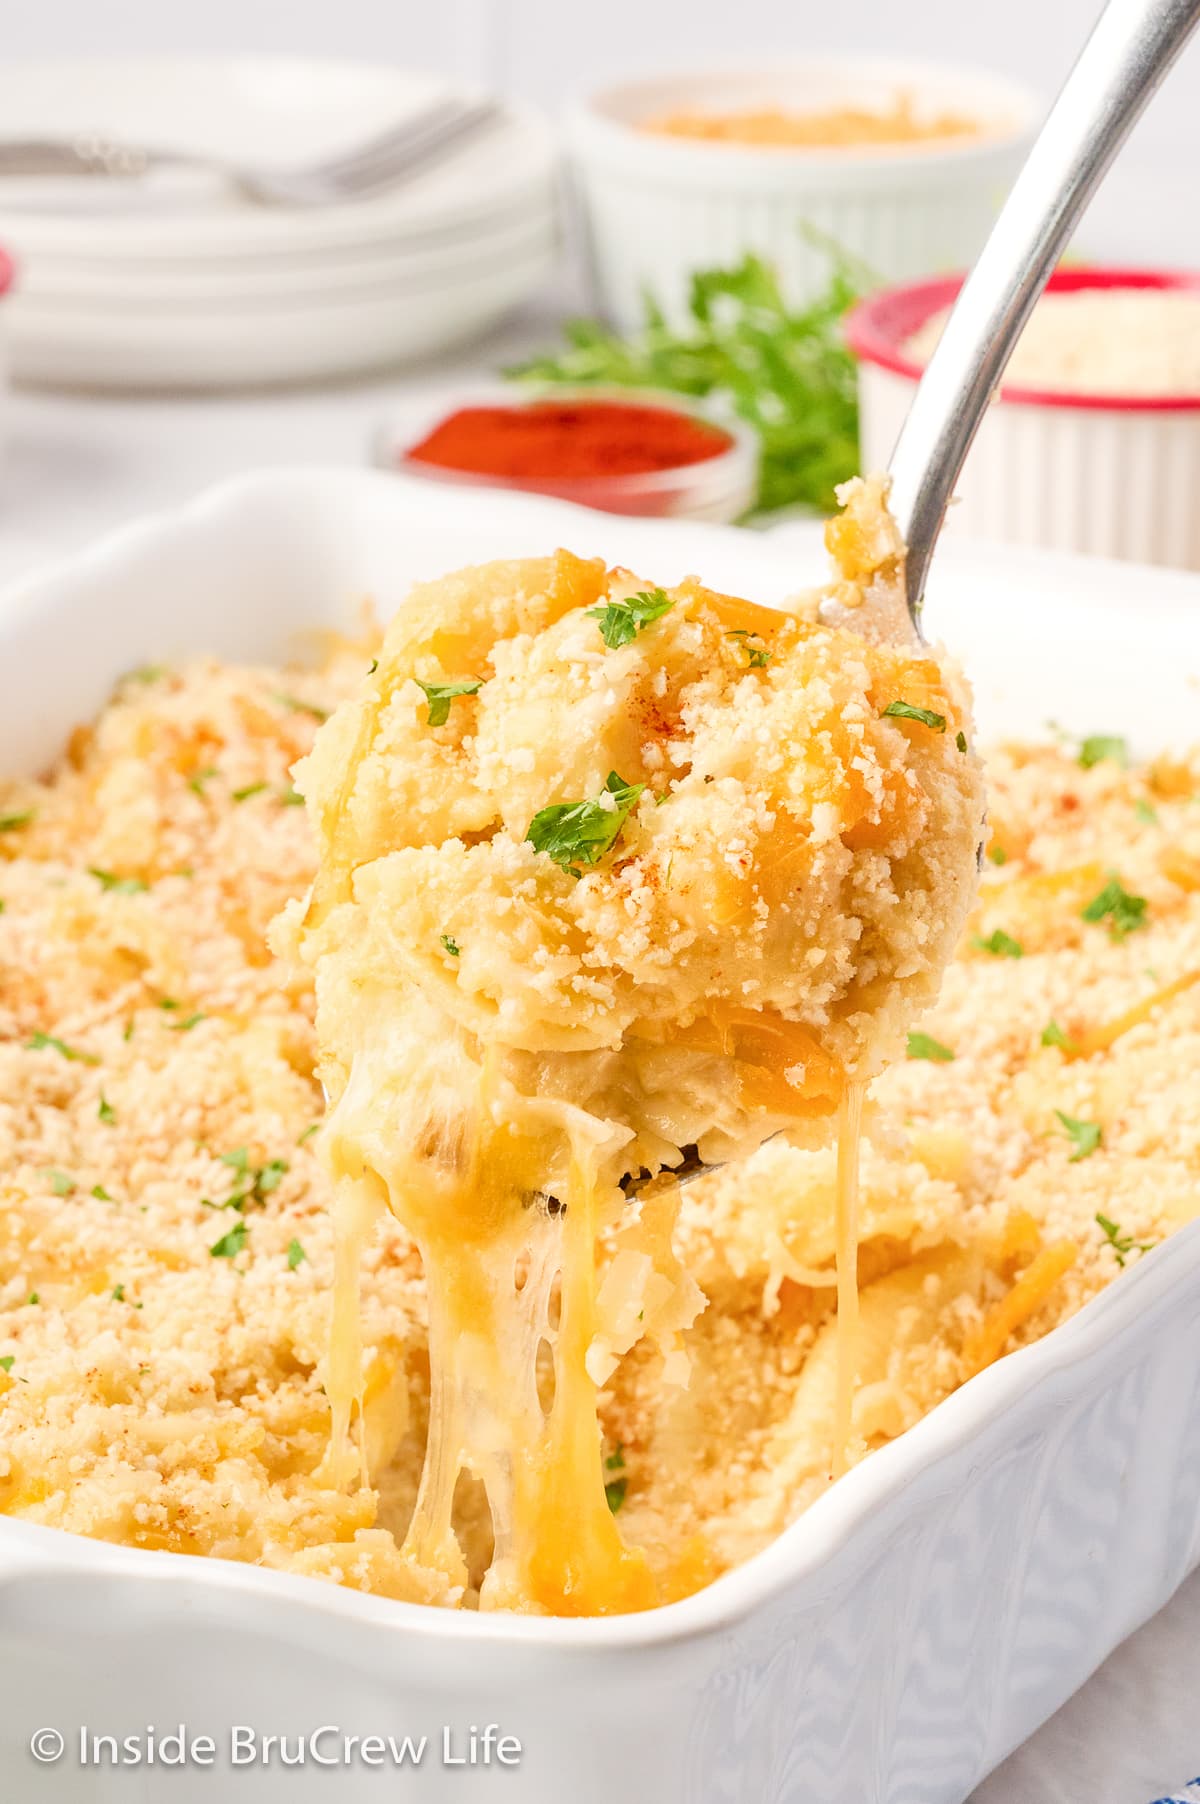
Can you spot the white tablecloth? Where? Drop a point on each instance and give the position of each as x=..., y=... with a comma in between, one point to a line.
x=74, y=467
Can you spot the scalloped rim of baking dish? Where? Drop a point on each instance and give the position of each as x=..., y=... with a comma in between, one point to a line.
x=940, y=1452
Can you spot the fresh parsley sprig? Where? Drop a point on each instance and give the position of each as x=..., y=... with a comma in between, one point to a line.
x=784, y=370
x=575, y=833
x=1085, y=1136
x=899, y=710
x=440, y=695
x=924, y=1046
x=620, y=622
x=1124, y=912
x=1121, y=1244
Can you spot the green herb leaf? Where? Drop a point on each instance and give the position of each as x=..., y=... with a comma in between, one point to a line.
x=121, y=886
x=997, y=854
x=1125, y=913
x=61, y=1182
x=924, y=1046
x=309, y=1132
x=270, y=1176
x=291, y=798
x=1000, y=944
x=960, y=740
x=295, y=1254
x=616, y=1459
x=10, y=822
x=33, y=1297
x=8, y=1362
x=620, y=622
x=1085, y=1136
x=1121, y=1244
x=186, y=1026
x=40, y=1042
x=239, y=1158
x=199, y=778
x=449, y=946
x=574, y=833
x=106, y=1112
x=118, y=1295
x=440, y=695
x=785, y=370
x=101, y=1194
x=1101, y=748
x=906, y=711
x=1145, y=813
x=251, y=789
x=1053, y=1035
x=231, y=1244
x=148, y=673
x=298, y=705
x=373, y=666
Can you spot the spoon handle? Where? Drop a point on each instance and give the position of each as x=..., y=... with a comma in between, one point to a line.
x=1129, y=52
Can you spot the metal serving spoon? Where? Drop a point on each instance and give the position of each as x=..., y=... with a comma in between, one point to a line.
x=1128, y=54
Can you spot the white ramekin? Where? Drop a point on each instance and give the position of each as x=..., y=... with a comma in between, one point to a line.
x=655, y=209
x=1117, y=476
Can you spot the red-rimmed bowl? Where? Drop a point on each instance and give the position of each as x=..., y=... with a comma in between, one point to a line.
x=1112, y=474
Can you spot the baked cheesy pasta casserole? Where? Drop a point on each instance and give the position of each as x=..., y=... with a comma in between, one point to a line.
x=595, y=880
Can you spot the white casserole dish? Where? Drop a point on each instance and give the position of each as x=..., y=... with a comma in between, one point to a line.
x=655, y=209
x=927, y=1613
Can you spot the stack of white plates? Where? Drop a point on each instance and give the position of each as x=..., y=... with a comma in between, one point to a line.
x=178, y=280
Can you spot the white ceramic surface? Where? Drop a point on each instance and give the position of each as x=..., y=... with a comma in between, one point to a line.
x=655, y=209
x=920, y=1620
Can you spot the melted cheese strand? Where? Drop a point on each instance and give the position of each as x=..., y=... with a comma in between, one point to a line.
x=849, y=1143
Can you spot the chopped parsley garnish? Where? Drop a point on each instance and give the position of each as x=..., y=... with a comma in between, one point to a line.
x=1124, y=912
x=61, y=1182
x=295, y=1254
x=1085, y=1136
x=1121, y=1244
x=298, y=705
x=118, y=1295
x=1145, y=813
x=309, y=1132
x=10, y=822
x=614, y=1489
x=121, y=886
x=960, y=740
x=757, y=656
x=620, y=622
x=575, y=833
x=148, y=673
x=251, y=789
x=106, y=1112
x=999, y=944
x=924, y=1046
x=440, y=695
x=186, y=1026
x=291, y=798
x=450, y=946
x=1102, y=748
x=101, y=1194
x=231, y=1244
x=997, y=854
x=253, y=1183
x=906, y=711
x=373, y=666
x=199, y=778
x=33, y=1297
x=1, y=905
x=41, y=1042
x=1053, y=1035
x=8, y=1362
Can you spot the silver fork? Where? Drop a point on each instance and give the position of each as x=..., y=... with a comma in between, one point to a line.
x=377, y=163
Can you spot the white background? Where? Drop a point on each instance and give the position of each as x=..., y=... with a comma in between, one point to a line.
x=546, y=49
